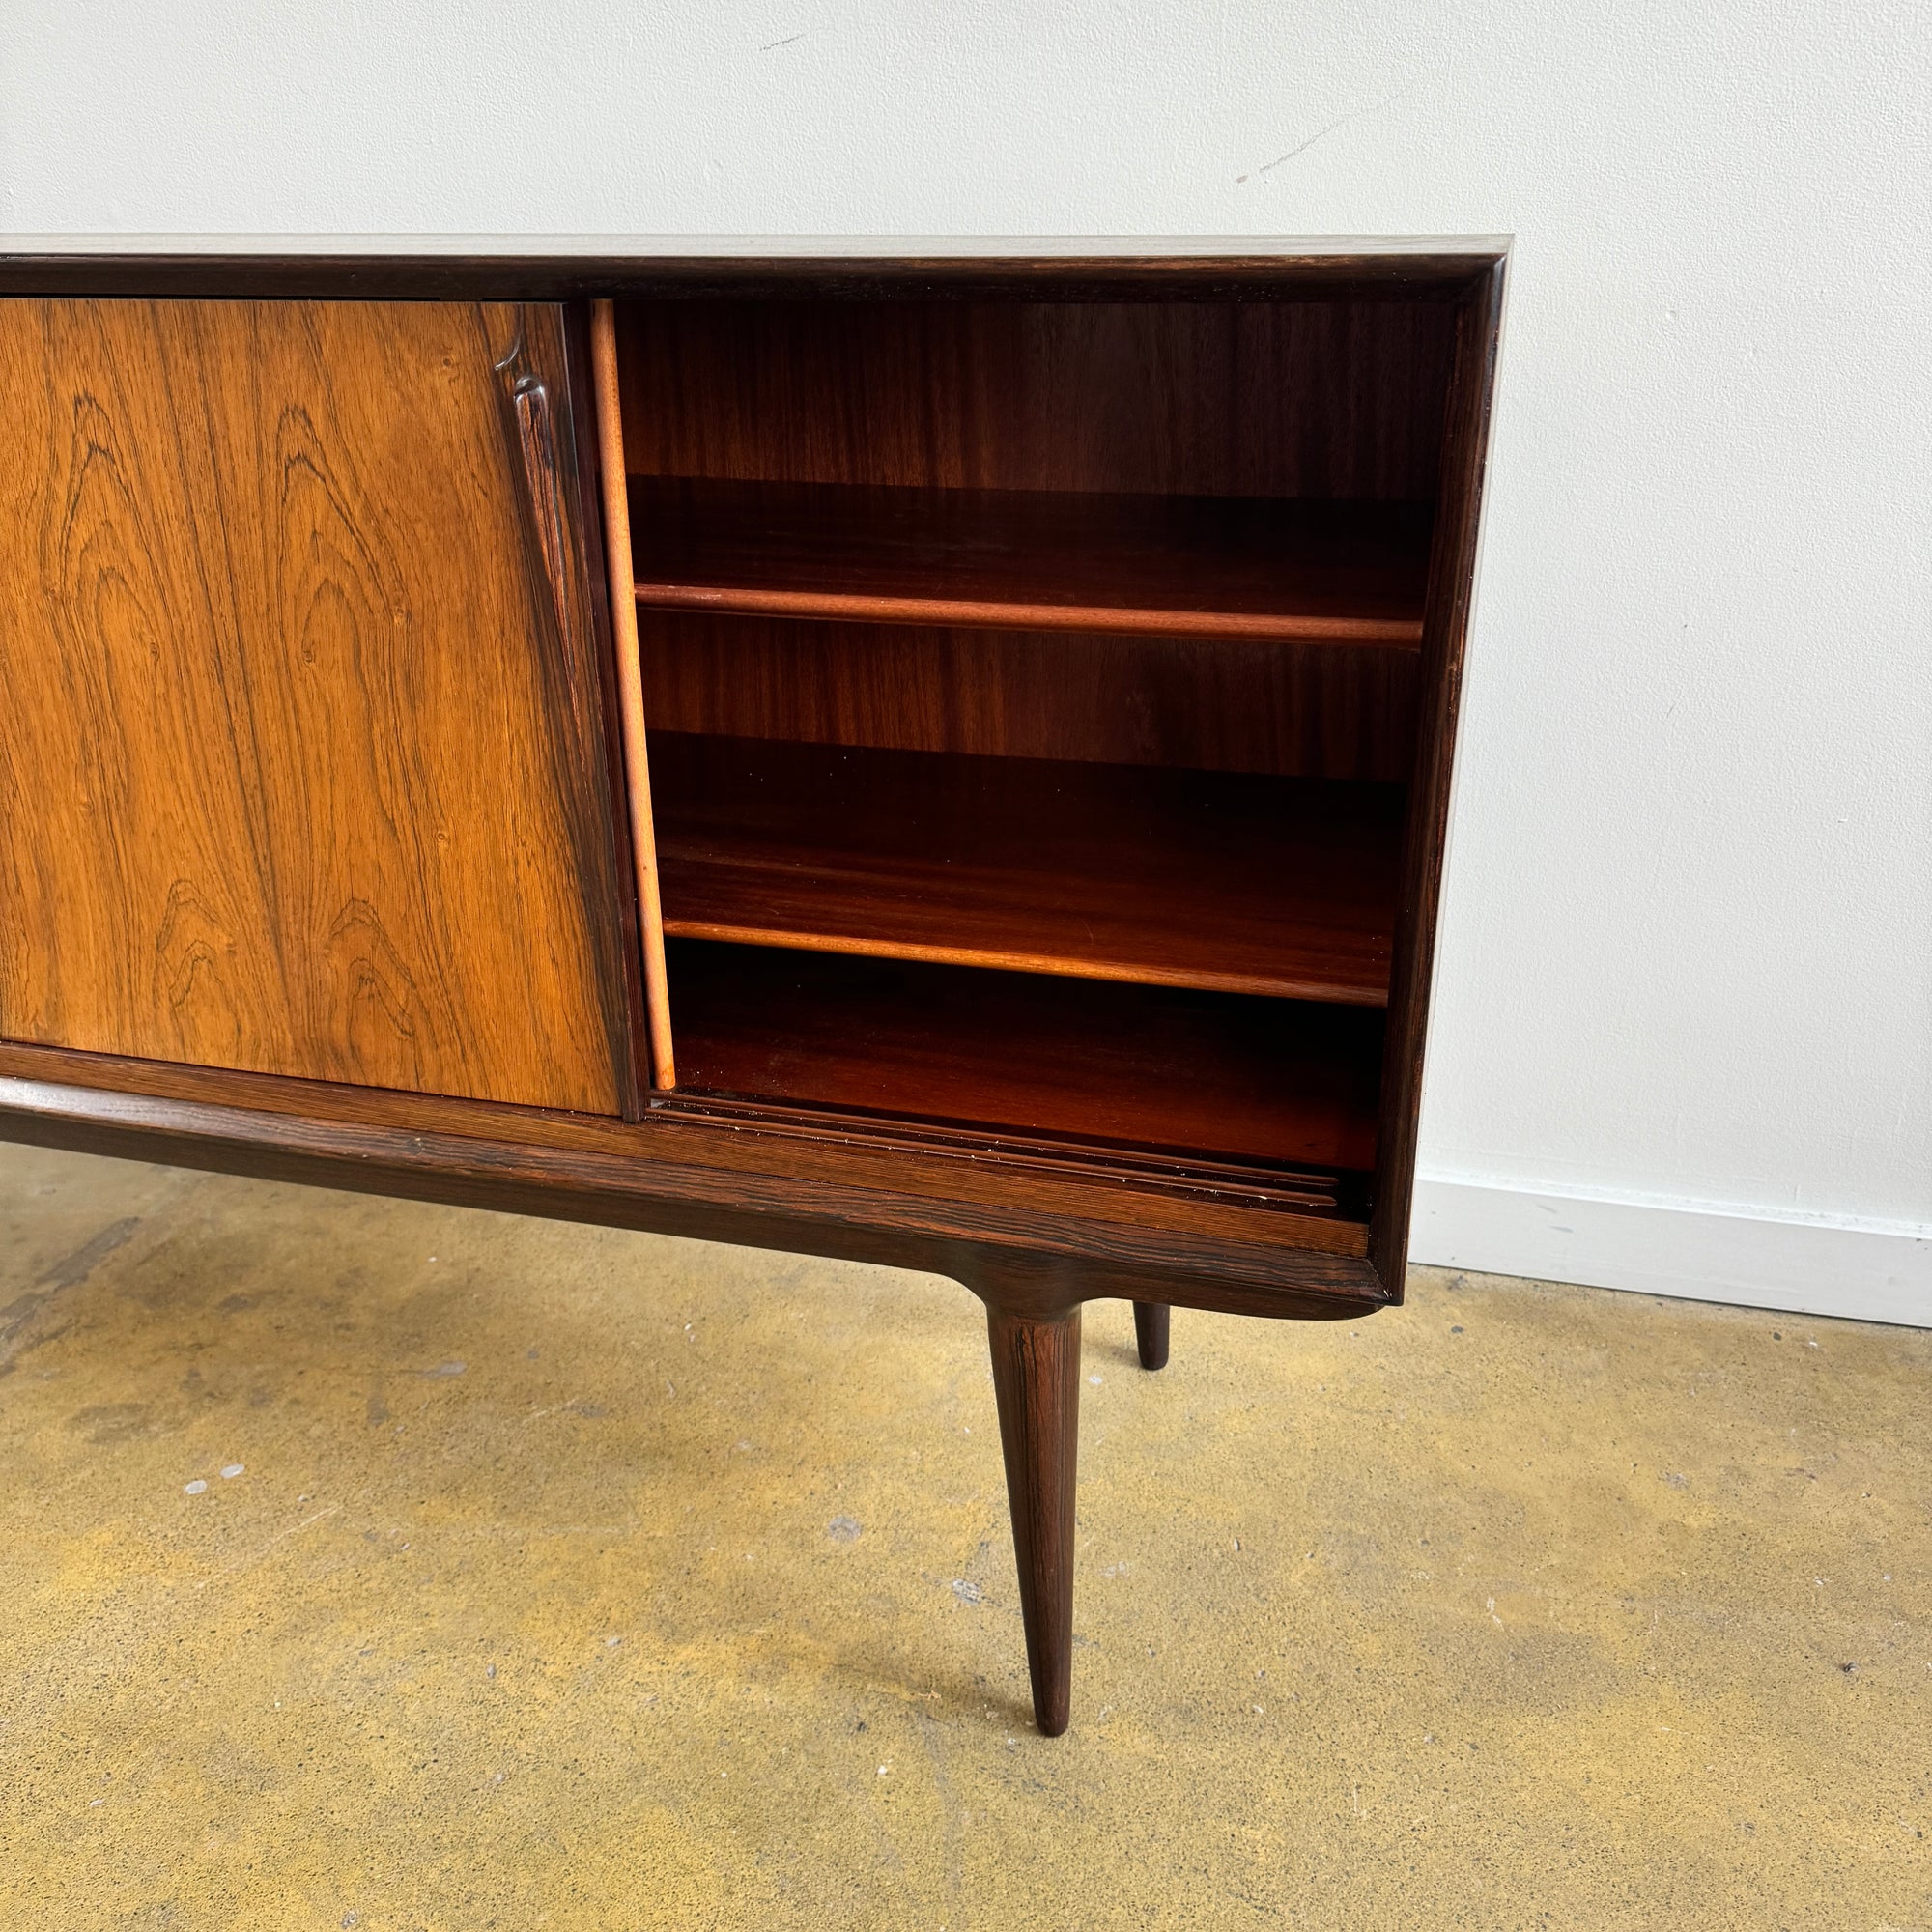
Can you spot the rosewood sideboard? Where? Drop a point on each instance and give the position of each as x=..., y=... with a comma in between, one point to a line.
x=939, y=761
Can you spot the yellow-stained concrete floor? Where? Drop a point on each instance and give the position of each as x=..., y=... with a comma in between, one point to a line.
x=370, y=1564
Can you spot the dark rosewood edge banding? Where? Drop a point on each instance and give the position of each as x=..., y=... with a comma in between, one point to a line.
x=448, y=275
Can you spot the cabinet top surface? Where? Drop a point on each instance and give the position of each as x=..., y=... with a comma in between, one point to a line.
x=559, y=268
x=888, y=248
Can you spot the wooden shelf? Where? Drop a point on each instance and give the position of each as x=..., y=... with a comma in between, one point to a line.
x=1211, y=1073
x=1035, y=559
x=1171, y=878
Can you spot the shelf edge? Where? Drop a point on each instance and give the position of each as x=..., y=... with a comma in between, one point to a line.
x=1317, y=991
x=1394, y=633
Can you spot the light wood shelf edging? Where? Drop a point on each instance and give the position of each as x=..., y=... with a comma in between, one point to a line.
x=1232, y=568
x=630, y=687
x=970, y=614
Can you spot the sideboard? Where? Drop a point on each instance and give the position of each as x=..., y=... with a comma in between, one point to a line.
x=939, y=760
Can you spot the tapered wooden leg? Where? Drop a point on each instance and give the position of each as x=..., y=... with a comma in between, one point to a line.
x=1036, y=1379
x=1150, y=1326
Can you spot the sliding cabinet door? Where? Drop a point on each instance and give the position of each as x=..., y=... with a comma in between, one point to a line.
x=303, y=763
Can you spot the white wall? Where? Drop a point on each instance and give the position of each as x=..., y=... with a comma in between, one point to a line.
x=1687, y=958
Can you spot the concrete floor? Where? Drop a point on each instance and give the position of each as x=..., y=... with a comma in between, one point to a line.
x=367, y=1564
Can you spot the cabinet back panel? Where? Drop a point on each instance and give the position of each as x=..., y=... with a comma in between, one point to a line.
x=300, y=771
x=1331, y=400
x=1282, y=709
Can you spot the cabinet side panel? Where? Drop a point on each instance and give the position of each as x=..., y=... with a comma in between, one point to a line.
x=1452, y=580
x=290, y=603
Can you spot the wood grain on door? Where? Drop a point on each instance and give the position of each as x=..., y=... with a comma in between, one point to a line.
x=303, y=765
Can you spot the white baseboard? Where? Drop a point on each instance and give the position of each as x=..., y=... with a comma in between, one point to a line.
x=1867, y=1271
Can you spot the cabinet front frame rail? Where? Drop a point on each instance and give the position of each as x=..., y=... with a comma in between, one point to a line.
x=1049, y=1243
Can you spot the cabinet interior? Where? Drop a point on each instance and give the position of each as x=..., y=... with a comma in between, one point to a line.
x=1032, y=693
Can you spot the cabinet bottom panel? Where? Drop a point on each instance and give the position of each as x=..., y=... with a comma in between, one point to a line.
x=1214, y=1073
